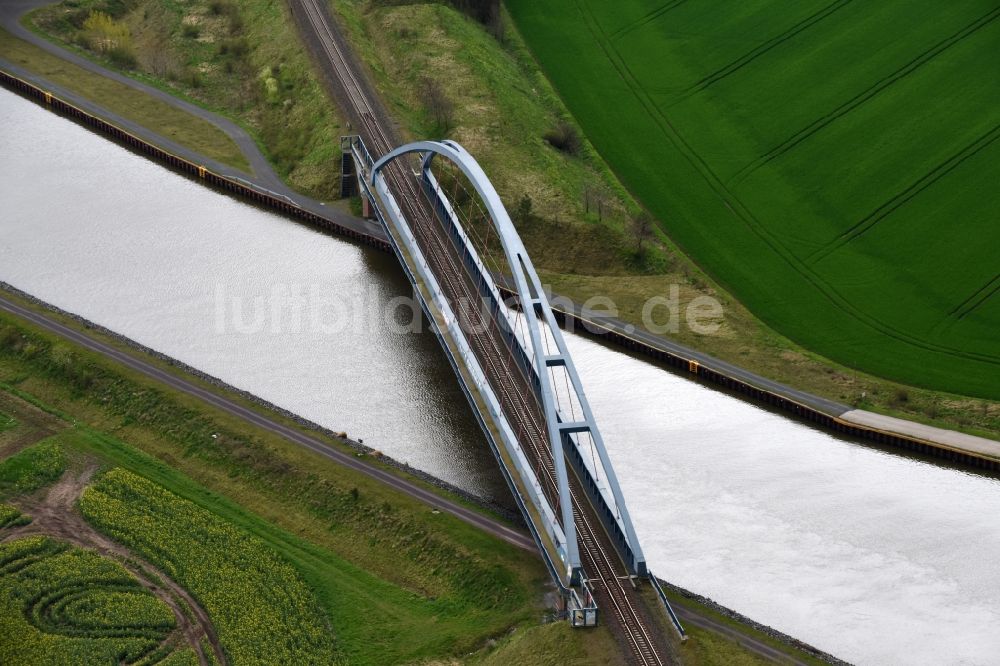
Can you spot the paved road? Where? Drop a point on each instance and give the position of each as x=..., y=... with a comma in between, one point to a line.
x=511, y=535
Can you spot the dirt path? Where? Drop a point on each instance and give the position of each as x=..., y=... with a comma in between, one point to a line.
x=54, y=515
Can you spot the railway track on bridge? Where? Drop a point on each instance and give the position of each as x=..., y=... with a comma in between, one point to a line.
x=618, y=600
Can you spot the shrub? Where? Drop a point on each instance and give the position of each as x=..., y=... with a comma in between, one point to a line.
x=106, y=34
x=190, y=30
x=235, y=47
x=192, y=78
x=438, y=106
x=564, y=138
x=522, y=212
x=122, y=57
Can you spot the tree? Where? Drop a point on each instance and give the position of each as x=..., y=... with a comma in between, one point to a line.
x=522, y=214
x=564, y=138
x=643, y=227
x=437, y=105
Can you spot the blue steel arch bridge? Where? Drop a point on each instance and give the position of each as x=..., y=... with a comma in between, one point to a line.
x=458, y=245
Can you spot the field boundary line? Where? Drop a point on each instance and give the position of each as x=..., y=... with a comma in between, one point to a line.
x=866, y=95
x=971, y=307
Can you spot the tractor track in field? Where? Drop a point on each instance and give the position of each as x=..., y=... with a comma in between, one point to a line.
x=969, y=305
x=982, y=142
x=982, y=295
x=54, y=515
x=738, y=209
x=646, y=19
x=763, y=48
x=865, y=96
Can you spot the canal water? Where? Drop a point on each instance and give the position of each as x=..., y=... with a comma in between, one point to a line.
x=875, y=557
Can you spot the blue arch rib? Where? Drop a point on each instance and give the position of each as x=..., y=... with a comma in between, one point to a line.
x=532, y=296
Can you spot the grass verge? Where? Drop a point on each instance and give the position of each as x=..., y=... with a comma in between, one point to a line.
x=190, y=131
x=243, y=60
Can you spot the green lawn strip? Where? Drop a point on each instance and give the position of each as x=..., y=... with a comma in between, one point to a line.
x=64, y=605
x=703, y=642
x=190, y=131
x=875, y=304
x=552, y=644
x=704, y=648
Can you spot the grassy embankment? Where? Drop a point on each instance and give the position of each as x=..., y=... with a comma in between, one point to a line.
x=240, y=59
x=420, y=585
x=187, y=130
x=848, y=204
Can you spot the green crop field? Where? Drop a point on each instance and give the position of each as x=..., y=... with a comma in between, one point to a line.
x=829, y=162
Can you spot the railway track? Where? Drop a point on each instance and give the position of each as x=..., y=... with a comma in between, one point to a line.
x=617, y=599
